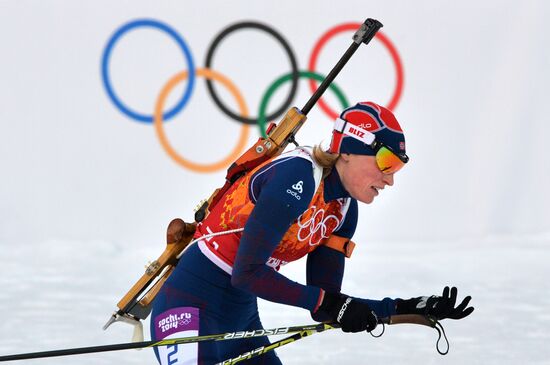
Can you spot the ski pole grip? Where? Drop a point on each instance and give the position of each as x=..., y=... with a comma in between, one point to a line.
x=410, y=319
x=367, y=31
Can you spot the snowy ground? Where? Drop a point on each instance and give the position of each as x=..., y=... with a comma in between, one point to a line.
x=59, y=294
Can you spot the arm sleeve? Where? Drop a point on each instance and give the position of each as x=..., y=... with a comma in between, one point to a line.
x=325, y=266
x=275, y=210
x=325, y=269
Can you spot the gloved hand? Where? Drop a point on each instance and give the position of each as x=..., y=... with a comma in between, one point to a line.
x=440, y=307
x=353, y=316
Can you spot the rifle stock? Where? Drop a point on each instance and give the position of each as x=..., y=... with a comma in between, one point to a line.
x=136, y=303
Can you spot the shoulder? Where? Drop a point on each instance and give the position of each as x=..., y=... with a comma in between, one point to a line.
x=289, y=174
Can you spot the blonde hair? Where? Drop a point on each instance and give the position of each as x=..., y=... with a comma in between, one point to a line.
x=325, y=159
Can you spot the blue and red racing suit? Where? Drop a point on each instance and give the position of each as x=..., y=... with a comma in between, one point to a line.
x=288, y=211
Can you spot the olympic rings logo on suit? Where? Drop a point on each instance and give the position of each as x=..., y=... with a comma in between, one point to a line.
x=159, y=115
x=315, y=227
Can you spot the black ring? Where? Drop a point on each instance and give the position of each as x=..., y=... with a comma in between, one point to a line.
x=242, y=25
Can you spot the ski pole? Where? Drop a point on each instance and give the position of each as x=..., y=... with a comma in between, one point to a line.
x=166, y=342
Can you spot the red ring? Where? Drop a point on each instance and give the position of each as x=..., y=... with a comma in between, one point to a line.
x=382, y=38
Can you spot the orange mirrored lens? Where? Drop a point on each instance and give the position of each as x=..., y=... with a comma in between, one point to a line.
x=387, y=161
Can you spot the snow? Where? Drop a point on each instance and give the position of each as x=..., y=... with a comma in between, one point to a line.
x=67, y=291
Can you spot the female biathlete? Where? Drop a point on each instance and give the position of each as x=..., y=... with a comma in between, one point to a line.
x=301, y=203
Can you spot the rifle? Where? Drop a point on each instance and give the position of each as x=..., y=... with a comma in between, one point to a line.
x=136, y=304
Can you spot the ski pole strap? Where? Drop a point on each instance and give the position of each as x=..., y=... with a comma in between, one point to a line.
x=440, y=330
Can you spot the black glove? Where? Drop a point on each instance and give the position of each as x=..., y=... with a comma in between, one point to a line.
x=440, y=307
x=353, y=315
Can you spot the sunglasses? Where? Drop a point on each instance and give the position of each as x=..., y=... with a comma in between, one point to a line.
x=387, y=160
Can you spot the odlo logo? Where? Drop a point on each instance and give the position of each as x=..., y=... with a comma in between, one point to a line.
x=298, y=187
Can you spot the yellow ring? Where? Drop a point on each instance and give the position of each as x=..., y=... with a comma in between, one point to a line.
x=158, y=121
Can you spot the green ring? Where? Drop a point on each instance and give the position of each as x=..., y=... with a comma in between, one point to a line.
x=285, y=78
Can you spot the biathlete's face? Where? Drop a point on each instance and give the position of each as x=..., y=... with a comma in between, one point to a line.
x=361, y=176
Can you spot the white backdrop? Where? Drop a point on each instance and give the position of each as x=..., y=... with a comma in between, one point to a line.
x=86, y=192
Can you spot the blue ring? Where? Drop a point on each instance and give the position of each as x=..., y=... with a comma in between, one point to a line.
x=105, y=69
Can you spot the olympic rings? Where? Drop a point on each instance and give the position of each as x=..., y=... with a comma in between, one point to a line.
x=382, y=38
x=262, y=119
x=243, y=138
x=105, y=68
x=293, y=64
x=158, y=117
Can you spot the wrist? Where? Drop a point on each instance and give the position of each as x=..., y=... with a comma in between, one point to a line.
x=406, y=306
x=330, y=302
